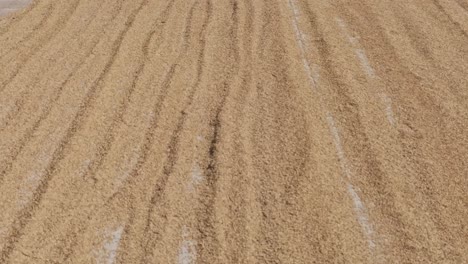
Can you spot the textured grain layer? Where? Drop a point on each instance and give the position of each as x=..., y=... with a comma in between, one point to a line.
x=234, y=131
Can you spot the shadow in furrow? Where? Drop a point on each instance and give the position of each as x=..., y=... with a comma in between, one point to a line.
x=58, y=27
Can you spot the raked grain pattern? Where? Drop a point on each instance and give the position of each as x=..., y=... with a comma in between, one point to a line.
x=234, y=131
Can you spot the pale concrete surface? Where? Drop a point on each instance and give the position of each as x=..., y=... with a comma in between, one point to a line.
x=9, y=6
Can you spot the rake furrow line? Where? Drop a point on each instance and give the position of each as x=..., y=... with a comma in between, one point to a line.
x=59, y=25
x=201, y=131
x=80, y=221
x=360, y=209
x=458, y=26
x=239, y=188
x=17, y=19
x=47, y=15
x=29, y=133
x=24, y=94
x=160, y=185
x=26, y=213
x=104, y=149
x=206, y=216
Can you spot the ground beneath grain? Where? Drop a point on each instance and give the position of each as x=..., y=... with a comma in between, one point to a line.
x=234, y=131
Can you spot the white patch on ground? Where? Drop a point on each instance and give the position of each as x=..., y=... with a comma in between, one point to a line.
x=26, y=191
x=359, y=207
x=313, y=73
x=367, y=68
x=316, y=73
x=362, y=215
x=389, y=110
x=8, y=6
x=360, y=53
x=338, y=146
x=196, y=178
x=344, y=27
x=32, y=182
x=188, y=249
x=84, y=168
x=196, y=175
x=131, y=160
x=108, y=252
x=129, y=165
x=365, y=63
x=387, y=101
